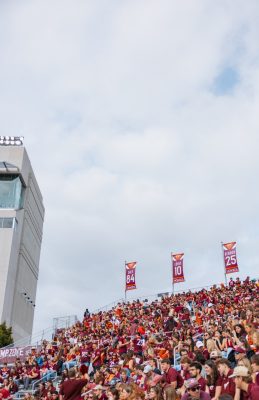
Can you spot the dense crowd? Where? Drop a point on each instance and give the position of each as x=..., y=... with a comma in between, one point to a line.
x=202, y=345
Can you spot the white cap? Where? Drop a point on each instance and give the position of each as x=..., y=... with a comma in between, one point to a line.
x=147, y=369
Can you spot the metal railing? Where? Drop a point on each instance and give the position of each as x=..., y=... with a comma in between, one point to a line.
x=157, y=296
x=52, y=374
x=45, y=334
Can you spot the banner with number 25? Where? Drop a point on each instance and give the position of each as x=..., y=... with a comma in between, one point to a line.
x=230, y=257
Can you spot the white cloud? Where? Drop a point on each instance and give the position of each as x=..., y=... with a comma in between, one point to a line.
x=135, y=155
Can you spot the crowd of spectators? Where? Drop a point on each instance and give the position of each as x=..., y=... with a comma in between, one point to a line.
x=202, y=345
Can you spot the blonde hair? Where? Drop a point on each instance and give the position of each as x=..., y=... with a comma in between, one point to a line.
x=170, y=393
x=211, y=346
x=246, y=363
x=255, y=338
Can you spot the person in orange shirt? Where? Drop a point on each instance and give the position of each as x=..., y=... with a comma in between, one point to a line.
x=198, y=318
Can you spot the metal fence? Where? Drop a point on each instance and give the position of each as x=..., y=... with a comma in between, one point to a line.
x=45, y=334
x=153, y=297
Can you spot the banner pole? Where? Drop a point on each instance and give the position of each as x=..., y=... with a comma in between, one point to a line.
x=172, y=273
x=125, y=284
x=226, y=280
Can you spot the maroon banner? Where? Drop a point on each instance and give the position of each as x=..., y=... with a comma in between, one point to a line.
x=230, y=257
x=177, y=265
x=11, y=354
x=130, y=276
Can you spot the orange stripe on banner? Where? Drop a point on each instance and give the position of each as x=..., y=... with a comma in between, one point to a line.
x=131, y=265
x=229, y=246
x=177, y=257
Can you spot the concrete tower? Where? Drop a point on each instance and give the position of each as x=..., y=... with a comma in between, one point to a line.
x=21, y=224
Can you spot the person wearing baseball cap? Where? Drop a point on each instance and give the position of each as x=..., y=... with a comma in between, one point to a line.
x=202, y=349
x=245, y=388
x=215, y=355
x=240, y=353
x=199, y=344
x=151, y=378
x=193, y=391
x=99, y=392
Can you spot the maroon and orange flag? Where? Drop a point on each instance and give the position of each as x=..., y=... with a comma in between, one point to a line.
x=130, y=269
x=230, y=257
x=177, y=267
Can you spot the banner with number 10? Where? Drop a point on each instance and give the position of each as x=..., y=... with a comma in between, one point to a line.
x=177, y=266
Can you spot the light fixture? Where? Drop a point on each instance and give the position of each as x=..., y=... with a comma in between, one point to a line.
x=11, y=140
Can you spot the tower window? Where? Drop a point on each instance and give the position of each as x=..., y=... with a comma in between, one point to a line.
x=11, y=191
x=8, y=223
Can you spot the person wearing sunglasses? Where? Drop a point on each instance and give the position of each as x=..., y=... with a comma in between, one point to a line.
x=193, y=391
x=240, y=353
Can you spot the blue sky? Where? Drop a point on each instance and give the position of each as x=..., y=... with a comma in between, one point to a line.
x=226, y=81
x=141, y=122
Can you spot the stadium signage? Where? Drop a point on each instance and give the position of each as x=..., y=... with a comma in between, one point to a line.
x=230, y=257
x=177, y=266
x=130, y=269
x=11, y=354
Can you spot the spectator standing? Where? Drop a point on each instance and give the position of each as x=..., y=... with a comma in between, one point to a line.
x=71, y=389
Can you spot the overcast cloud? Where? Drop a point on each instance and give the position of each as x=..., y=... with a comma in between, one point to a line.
x=141, y=121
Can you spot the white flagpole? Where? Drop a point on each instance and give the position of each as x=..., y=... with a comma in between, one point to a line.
x=226, y=280
x=172, y=273
x=125, y=283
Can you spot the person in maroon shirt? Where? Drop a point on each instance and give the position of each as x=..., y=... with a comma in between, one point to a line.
x=72, y=388
x=193, y=391
x=212, y=377
x=170, y=375
x=225, y=383
x=255, y=368
x=123, y=345
x=96, y=357
x=185, y=367
x=4, y=393
x=137, y=344
x=195, y=371
x=243, y=382
x=31, y=376
x=99, y=393
x=199, y=344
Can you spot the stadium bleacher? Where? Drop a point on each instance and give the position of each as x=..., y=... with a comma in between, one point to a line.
x=203, y=343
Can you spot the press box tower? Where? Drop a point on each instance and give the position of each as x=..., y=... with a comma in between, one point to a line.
x=21, y=224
